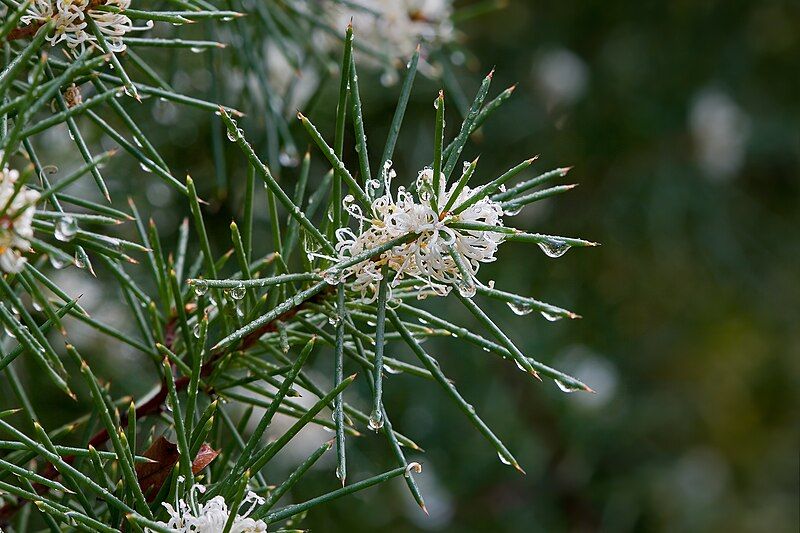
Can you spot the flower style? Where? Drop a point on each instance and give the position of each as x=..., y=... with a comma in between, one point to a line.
x=212, y=516
x=433, y=246
x=71, y=26
x=17, y=207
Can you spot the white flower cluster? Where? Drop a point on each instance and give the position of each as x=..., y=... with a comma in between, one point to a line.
x=396, y=27
x=71, y=26
x=212, y=516
x=391, y=29
x=427, y=256
x=16, y=215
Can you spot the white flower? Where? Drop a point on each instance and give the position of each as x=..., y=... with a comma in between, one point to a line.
x=396, y=27
x=212, y=516
x=71, y=26
x=427, y=256
x=16, y=215
x=720, y=130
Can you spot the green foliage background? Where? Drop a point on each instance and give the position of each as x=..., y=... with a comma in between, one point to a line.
x=690, y=306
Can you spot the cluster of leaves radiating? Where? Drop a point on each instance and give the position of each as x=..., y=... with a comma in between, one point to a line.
x=244, y=337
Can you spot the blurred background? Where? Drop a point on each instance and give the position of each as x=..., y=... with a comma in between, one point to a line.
x=682, y=122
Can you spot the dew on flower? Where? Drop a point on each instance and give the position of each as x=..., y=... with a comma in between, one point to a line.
x=426, y=257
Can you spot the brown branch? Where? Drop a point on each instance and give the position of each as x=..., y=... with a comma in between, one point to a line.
x=155, y=405
x=23, y=32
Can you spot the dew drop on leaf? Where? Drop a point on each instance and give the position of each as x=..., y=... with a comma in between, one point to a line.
x=200, y=287
x=550, y=317
x=566, y=388
x=554, y=247
x=376, y=420
x=66, y=229
x=80, y=260
x=520, y=308
x=238, y=292
x=466, y=288
x=57, y=262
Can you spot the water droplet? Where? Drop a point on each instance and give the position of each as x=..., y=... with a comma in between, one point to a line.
x=520, y=308
x=196, y=331
x=66, y=228
x=80, y=259
x=235, y=134
x=283, y=338
x=57, y=262
x=566, y=388
x=332, y=277
x=196, y=49
x=466, y=288
x=554, y=247
x=376, y=420
x=512, y=210
x=200, y=287
x=334, y=320
x=238, y=292
x=503, y=459
x=145, y=167
x=550, y=317
x=391, y=370
x=339, y=473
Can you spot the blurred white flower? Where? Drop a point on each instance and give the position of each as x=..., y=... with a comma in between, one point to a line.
x=425, y=257
x=212, y=516
x=597, y=371
x=394, y=28
x=719, y=130
x=699, y=477
x=294, y=85
x=71, y=26
x=561, y=75
x=16, y=215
